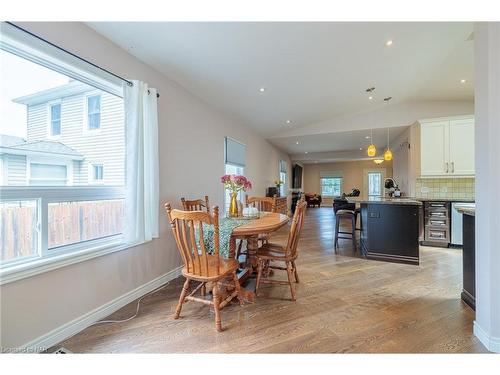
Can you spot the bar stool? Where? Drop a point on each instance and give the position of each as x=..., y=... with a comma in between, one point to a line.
x=345, y=214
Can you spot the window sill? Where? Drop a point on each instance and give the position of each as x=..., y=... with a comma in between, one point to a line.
x=25, y=270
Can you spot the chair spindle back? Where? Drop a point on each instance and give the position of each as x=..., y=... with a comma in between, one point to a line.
x=195, y=255
x=296, y=228
x=266, y=204
x=196, y=204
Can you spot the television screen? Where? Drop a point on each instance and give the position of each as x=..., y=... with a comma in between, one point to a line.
x=297, y=177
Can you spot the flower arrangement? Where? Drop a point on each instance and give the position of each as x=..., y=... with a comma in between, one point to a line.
x=278, y=183
x=236, y=183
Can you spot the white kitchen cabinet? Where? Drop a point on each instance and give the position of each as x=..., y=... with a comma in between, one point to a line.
x=462, y=147
x=447, y=147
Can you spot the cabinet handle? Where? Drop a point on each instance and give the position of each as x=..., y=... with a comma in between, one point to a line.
x=447, y=167
x=452, y=167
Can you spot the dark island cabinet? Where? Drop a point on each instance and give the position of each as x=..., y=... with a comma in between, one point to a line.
x=469, y=260
x=391, y=232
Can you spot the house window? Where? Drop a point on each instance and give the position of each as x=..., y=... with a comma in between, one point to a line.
x=283, y=177
x=48, y=174
x=374, y=184
x=53, y=216
x=98, y=172
x=234, y=156
x=331, y=186
x=55, y=120
x=94, y=112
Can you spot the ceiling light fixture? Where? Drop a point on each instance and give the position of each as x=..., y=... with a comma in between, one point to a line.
x=361, y=149
x=378, y=160
x=370, y=97
x=367, y=137
x=371, y=150
x=297, y=142
x=463, y=80
x=262, y=89
x=288, y=121
x=306, y=152
x=388, y=152
x=388, y=43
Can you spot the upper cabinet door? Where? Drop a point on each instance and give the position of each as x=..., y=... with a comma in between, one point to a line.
x=462, y=147
x=434, y=148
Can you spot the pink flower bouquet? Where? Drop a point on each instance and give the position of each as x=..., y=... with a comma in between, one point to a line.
x=235, y=183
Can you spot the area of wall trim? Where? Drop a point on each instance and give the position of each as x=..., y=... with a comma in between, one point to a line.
x=79, y=324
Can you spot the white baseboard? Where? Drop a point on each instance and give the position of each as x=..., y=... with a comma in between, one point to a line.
x=491, y=343
x=77, y=325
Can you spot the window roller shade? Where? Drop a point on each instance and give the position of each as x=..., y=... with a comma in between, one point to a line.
x=235, y=152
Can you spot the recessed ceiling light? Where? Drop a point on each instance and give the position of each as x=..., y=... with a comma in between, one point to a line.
x=306, y=152
x=367, y=137
x=262, y=89
x=463, y=80
x=370, y=97
x=361, y=149
x=297, y=142
x=388, y=43
x=288, y=121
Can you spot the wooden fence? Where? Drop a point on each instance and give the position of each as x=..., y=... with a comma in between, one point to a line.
x=68, y=223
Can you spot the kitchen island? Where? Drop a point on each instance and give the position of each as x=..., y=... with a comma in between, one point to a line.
x=469, y=254
x=389, y=228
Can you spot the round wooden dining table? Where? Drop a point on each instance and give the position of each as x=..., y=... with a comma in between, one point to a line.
x=267, y=223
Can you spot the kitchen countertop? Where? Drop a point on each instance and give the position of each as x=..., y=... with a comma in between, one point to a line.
x=466, y=209
x=385, y=200
x=464, y=200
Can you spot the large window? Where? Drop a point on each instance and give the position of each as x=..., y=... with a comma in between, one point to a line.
x=374, y=184
x=283, y=177
x=234, y=156
x=49, y=209
x=331, y=186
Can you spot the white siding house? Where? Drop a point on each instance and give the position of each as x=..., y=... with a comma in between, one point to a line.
x=72, y=129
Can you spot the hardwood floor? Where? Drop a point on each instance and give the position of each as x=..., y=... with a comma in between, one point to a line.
x=345, y=304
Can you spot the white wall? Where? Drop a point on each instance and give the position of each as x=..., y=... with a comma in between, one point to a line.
x=487, y=138
x=191, y=136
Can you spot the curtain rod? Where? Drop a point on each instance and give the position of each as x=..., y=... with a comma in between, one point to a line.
x=74, y=55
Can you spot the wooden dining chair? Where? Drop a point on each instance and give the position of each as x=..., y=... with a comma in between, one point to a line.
x=196, y=204
x=266, y=204
x=263, y=204
x=200, y=265
x=276, y=253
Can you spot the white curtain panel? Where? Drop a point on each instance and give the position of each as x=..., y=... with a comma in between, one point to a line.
x=142, y=170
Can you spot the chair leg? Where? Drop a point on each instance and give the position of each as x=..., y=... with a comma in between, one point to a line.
x=296, y=274
x=216, y=301
x=184, y=292
x=290, y=279
x=237, y=286
x=203, y=290
x=259, y=274
x=336, y=242
x=353, y=231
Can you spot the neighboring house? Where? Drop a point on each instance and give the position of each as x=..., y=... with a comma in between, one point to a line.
x=75, y=136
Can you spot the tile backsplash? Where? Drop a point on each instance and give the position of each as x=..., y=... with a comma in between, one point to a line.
x=445, y=188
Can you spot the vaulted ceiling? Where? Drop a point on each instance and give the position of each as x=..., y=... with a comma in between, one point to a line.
x=310, y=72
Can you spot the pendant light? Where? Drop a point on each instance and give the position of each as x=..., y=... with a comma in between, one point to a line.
x=388, y=152
x=371, y=150
x=378, y=160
